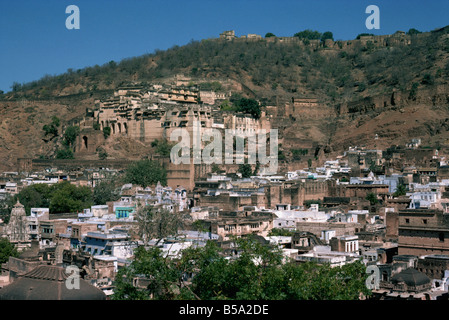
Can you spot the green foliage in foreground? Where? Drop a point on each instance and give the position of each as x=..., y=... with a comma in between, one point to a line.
x=7, y=249
x=258, y=273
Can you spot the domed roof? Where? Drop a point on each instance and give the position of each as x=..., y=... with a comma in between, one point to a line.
x=48, y=283
x=411, y=277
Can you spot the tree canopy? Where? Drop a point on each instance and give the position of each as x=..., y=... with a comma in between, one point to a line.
x=70, y=135
x=52, y=127
x=372, y=198
x=327, y=35
x=145, y=173
x=62, y=197
x=7, y=249
x=308, y=34
x=157, y=223
x=413, y=31
x=246, y=105
x=258, y=272
x=163, y=147
x=106, y=190
x=245, y=170
x=401, y=190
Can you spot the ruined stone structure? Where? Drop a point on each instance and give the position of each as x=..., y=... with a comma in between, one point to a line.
x=149, y=114
x=228, y=35
x=399, y=38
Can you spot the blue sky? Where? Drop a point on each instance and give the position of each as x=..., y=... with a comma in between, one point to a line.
x=34, y=40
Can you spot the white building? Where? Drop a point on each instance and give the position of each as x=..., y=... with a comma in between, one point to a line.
x=324, y=255
x=287, y=219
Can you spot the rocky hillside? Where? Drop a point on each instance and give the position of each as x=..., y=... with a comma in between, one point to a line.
x=394, y=87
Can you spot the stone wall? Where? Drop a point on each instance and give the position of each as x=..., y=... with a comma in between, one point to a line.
x=422, y=232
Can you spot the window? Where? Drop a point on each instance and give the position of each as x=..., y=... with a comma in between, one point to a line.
x=441, y=236
x=407, y=220
x=424, y=221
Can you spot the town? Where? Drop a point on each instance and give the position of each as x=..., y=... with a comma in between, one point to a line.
x=386, y=209
x=232, y=168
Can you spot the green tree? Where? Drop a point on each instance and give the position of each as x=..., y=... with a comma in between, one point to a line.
x=33, y=196
x=106, y=132
x=308, y=34
x=151, y=265
x=401, y=190
x=7, y=249
x=413, y=91
x=52, y=128
x=215, y=168
x=413, y=31
x=68, y=198
x=55, y=121
x=256, y=168
x=428, y=79
x=5, y=209
x=280, y=232
x=16, y=86
x=245, y=170
x=310, y=281
x=145, y=173
x=65, y=153
x=297, y=153
x=163, y=147
x=249, y=106
x=155, y=223
x=211, y=86
x=102, y=153
x=226, y=105
x=372, y=198
x=105, y=191
x=70, y=135
x=269, y=35
x=257, y=272
x=327, y=35
x=309, y=163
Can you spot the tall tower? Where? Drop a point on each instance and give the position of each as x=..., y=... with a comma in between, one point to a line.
x=17, y=228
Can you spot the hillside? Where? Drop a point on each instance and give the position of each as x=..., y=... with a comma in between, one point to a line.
x=396, y=87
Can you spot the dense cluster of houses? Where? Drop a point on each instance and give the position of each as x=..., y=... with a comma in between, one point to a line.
x=336, y=214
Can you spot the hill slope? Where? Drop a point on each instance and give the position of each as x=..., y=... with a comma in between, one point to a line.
x=396, y=87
